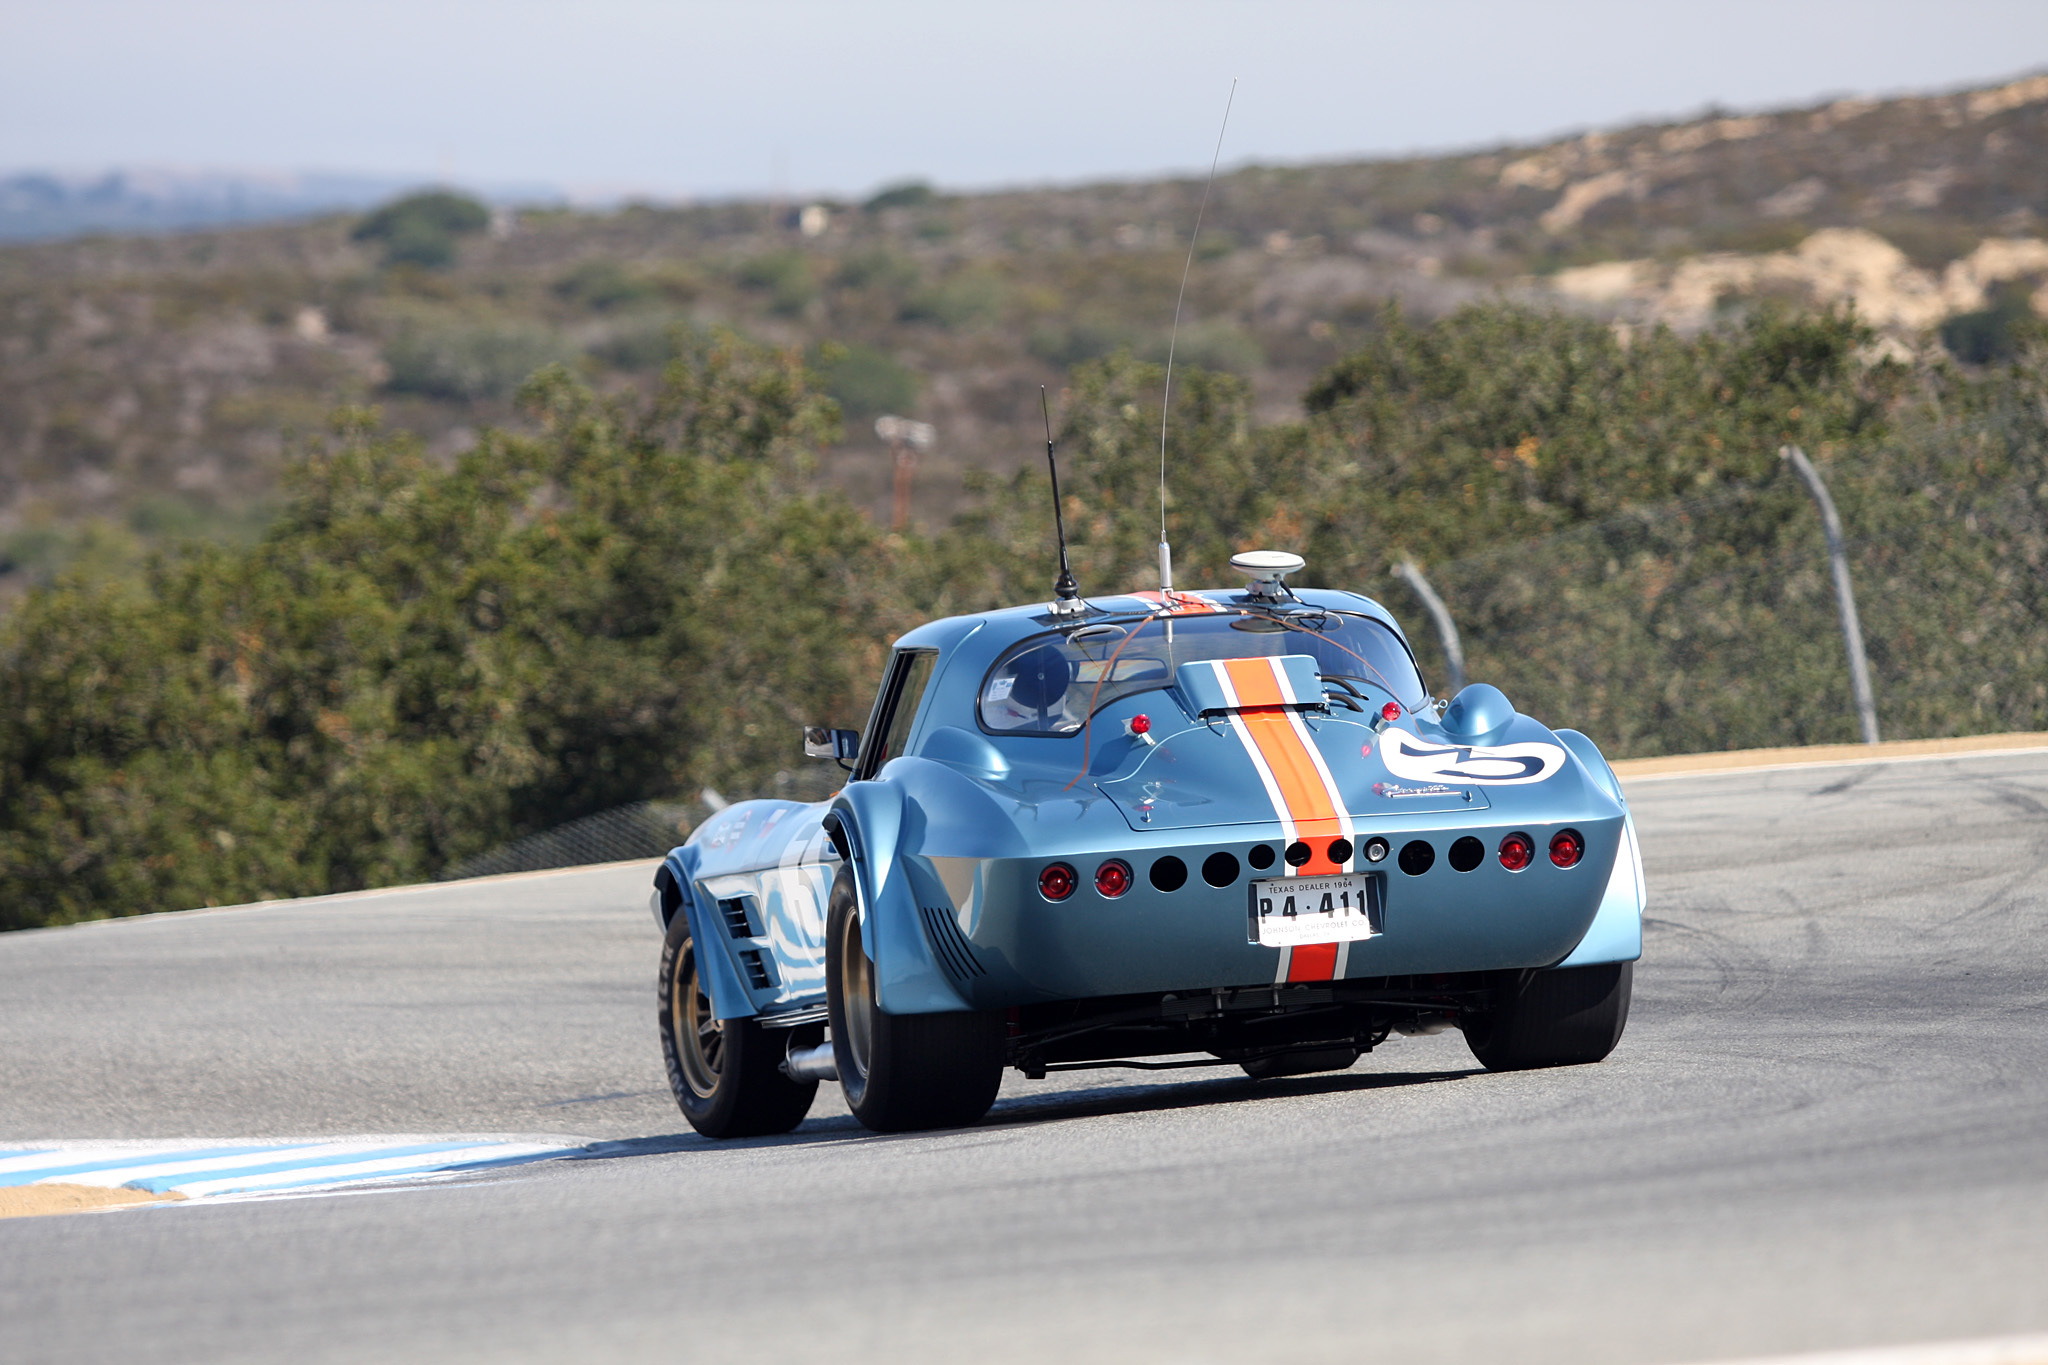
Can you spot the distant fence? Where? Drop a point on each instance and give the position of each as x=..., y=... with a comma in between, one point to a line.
x=1711, y=623
x=644, y=829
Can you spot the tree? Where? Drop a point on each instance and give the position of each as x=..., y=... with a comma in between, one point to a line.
x=422, y=229
x=417, y=664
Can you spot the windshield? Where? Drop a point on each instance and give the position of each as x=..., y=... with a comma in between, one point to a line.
x=1051, y=684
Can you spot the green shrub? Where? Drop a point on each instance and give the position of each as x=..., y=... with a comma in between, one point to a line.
x=602, y=285
x=1082, y=340
x=422, y=229
x=866, y=382
x=786, y=277
x=1995, y=333
x=1217, y=346
x=419, y=663
x=469, y=362
x=876, y=270
x=972, y=296
x=905, y=194
x=644, y=344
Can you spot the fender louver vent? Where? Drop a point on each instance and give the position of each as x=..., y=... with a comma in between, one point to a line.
x=733, y=910
x=758, y=975
x=949, y=945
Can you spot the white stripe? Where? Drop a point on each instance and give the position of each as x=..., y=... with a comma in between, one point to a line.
x=2030, y=1350
x=1287, y=697
x=168, y=1163
x=77, y=1156
x=439, y=1162
x=1251, y=749
x=1337, y=802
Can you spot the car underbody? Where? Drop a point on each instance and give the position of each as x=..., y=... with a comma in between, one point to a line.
x=1271, y=1030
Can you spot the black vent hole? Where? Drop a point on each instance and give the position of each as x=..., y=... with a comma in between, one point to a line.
x=1219, y=869
x=1417, y=857
x=1467, y=854
x=1169, y=873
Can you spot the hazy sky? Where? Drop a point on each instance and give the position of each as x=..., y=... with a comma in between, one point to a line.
x=691, y=98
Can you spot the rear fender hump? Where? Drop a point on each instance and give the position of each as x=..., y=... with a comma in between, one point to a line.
x=1594, y=762
x=870, y=820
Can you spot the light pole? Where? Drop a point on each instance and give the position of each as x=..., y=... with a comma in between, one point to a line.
x=1845, y=598
x=906, y=438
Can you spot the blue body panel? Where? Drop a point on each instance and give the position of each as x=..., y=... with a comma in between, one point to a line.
x=946, y=844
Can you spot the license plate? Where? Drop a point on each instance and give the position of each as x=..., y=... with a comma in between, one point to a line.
x=1287, y=912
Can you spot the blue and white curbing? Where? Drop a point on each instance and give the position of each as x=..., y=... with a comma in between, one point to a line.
x=204, y=1170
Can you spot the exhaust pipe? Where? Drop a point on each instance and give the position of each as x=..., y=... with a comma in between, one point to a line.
x=810, y=1063
x=1422, y=1025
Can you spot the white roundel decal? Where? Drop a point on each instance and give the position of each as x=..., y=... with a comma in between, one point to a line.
x=1499, y=765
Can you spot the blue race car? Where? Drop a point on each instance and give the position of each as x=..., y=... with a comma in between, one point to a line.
x=1166, y=829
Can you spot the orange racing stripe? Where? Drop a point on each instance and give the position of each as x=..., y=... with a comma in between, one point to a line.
x=1305, y=795
x=1178, y=603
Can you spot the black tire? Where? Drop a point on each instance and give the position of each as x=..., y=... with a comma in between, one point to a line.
x=724, y=1074
x=902, y=1071
x=1566, y=1016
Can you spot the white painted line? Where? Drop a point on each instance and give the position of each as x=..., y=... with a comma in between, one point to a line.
x=441, y=1163
x=2027, y=1350
x=322, y=1155
x=57, y=1160
x=198, y=1169
x=1861, y=761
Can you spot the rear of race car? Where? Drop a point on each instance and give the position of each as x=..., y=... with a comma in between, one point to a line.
x=1245, y=856
x=1189, y=831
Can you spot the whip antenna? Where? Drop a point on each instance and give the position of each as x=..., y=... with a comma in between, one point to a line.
x=1066, y=593
x=1173, y=338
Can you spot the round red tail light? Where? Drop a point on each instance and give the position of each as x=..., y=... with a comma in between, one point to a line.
x=1566, y=847
x=1517, y=852
x=1391, y=711
x=1141, y=725
x=1057, y=882
x=1113, y=878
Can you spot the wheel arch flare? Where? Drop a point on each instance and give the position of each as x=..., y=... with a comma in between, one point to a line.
x=868, y=822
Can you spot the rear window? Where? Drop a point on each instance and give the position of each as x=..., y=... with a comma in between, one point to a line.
x=1052, y=683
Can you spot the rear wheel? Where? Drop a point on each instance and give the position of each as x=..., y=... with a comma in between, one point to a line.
x=724, y=1072
x=902, y=1071
x=1564, y=1016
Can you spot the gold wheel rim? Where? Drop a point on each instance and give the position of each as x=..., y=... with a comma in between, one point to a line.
x=700, y=1038
x=857, y=980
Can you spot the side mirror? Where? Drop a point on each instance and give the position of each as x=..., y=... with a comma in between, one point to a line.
x=820, y=742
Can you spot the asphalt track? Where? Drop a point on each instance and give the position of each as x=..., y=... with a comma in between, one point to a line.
x=1827, y=1127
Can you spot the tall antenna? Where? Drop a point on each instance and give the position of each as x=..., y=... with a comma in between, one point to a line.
x=1066, y=593
x=1173, y=339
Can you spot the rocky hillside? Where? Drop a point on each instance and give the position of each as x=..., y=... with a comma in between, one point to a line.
x=148, y=386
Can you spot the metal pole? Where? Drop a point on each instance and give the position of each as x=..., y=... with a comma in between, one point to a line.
x=1446, y=628
x=1845, y=598
x=906, y=461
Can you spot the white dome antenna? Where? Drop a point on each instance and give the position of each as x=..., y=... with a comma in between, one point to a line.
x=1267, y=570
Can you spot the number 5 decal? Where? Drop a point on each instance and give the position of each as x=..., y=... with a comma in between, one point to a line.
x=1501, y=765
